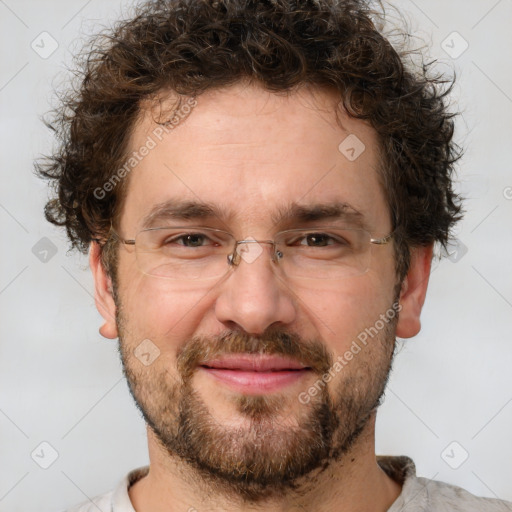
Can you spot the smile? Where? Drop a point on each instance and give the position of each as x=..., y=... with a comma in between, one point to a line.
x=255, y=374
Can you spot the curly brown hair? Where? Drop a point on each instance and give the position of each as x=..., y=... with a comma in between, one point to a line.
x=189, y=46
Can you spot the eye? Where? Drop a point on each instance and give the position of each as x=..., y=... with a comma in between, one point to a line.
x=318, y=240
x=188, y=240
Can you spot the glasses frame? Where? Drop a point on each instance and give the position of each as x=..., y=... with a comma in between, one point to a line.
x=234, y=257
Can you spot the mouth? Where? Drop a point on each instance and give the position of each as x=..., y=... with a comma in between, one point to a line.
x=255, y=373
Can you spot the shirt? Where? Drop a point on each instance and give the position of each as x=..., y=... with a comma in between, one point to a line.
x=418, y=494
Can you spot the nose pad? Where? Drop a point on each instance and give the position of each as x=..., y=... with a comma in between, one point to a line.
x=249, y=250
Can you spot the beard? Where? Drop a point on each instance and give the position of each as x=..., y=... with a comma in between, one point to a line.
x=275, y=449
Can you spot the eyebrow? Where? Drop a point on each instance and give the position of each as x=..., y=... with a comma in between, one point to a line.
x=176, y=209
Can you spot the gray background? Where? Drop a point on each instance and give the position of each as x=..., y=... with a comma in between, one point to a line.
x=61, y=382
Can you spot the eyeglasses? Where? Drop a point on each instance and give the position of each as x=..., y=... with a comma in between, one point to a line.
x=198, y=253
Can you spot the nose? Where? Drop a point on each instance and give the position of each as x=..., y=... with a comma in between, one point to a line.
x=254, y=295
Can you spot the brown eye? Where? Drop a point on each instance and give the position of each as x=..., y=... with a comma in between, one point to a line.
x=318, y=240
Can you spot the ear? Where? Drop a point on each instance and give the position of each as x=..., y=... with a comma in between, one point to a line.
x=412, y=294
x=103, y=293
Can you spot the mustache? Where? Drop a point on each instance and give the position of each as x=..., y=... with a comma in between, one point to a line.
x=200, y=349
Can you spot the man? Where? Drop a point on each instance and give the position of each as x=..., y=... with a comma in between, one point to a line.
x=260, y=186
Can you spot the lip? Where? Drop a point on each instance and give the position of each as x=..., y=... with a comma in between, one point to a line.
x=255, y=374
x=254, y=363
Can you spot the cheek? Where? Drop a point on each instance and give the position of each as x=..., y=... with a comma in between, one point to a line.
x=340, y=313
x=161, y=310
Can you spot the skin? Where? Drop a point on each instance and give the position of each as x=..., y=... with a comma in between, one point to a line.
x=243, y=148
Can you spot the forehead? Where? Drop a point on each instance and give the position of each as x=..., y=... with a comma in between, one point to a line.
x=254, y=157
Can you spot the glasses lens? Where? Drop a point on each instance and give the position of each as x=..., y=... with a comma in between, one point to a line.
x=332, y=253
x=183, y=253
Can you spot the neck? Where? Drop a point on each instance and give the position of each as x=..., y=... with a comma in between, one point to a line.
x=355, y=483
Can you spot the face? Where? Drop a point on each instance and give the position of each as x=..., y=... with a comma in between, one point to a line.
x=251, y=154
